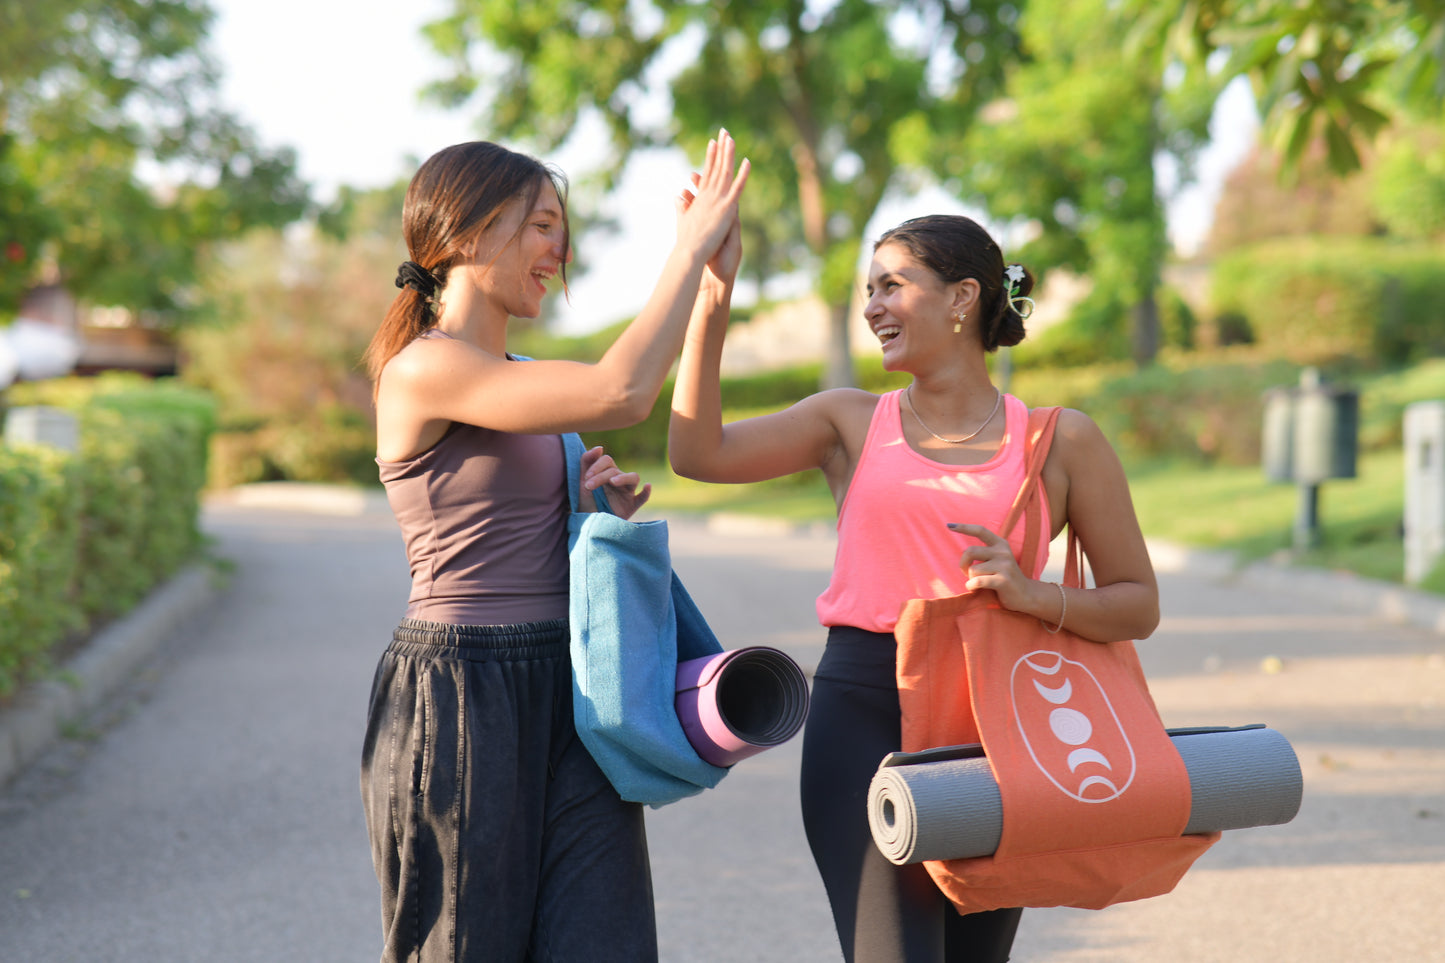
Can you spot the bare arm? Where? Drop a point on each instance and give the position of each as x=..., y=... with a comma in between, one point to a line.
x=700, y=446
x=1083, y=475
x=440, y=380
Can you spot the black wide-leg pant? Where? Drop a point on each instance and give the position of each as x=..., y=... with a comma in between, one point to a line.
x=494, y=834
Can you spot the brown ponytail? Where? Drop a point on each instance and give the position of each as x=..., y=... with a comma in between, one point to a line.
x=456, y=194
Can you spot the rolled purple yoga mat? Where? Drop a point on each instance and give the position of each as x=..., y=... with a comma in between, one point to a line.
x=737, y=703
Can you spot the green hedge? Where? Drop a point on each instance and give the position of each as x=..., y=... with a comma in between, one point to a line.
x=331, y=444
x=1320, y=299
x=39, y=558
x=84, y=536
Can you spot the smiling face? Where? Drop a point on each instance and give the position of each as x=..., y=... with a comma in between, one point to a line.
x=910, y=308
x=521, y=251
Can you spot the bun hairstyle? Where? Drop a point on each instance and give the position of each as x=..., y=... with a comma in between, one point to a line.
x=456, y=194
x=955, y=247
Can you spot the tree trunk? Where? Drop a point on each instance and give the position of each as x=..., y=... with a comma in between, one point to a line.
x=838, y=371
x=1146, y=330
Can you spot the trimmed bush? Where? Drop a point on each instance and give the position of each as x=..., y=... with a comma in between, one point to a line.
x=1317, y=300
x=84, y=536
x=40, y=502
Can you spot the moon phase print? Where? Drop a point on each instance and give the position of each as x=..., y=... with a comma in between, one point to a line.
x=1070, y=727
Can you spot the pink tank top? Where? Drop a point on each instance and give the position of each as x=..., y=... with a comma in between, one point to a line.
x=893, y=540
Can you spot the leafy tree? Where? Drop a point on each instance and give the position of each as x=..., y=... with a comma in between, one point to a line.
x=1070, y=153
x=1103, y=89
x=25, y=223
x=835, y=103
x=294, y=401
x=1330, y=71
x=92, y=92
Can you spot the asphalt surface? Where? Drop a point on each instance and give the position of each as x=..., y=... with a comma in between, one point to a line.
x=199, y=798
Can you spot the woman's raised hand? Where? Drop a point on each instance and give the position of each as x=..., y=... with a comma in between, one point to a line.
x=706, y=214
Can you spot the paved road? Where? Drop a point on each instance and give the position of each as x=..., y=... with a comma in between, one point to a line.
x=211, y=813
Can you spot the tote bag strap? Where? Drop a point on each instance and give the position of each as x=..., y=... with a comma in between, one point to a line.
x=1038, y=439
x=1038, y=442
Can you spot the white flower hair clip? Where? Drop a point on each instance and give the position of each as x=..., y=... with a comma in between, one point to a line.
x=1022, y=305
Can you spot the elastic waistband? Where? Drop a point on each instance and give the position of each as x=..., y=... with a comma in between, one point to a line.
x=859, y=657
x=848, y=635
x=485, y=643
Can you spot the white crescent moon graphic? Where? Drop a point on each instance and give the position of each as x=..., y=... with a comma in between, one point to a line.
x=1048, y=667
x=1097, y=781
x=1057, y=696
x=1080, y=756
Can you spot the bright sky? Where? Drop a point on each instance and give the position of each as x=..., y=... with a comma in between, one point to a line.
x=339, y=80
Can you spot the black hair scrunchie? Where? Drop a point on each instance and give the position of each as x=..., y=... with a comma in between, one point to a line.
x=419, y=279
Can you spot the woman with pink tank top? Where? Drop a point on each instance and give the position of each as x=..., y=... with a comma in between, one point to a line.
x=494, y=834
x=923, y=478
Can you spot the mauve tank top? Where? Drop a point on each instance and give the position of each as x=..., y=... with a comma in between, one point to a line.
x=484, y=517
x=893, y=540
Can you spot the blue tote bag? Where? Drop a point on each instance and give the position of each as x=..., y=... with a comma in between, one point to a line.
x=631, y=623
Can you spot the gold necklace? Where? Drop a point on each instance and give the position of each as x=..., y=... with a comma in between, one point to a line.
x=997, y=400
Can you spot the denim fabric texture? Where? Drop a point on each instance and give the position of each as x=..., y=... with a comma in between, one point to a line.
x=631, y=623
x=494, y=834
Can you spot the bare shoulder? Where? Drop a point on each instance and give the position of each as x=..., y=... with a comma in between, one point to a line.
x=1081, y=459
x=1080, y=435
x=846, y=403
x=428, y=364
x=848, y=410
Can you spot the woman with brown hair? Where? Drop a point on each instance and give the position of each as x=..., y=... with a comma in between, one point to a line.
x=494, y=834
x=923, y=478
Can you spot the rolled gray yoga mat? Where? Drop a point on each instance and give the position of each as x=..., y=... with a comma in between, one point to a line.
x=944, y=803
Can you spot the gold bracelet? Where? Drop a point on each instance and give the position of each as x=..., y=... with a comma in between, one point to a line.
x=1063, y=610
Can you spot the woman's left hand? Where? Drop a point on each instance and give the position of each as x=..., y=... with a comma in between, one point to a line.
x=992, y=566
x=623, y=495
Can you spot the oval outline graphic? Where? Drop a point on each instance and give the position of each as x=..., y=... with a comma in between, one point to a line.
x=1059, y=661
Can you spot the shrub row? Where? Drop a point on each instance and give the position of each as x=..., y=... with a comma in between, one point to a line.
x=1204, y=408
x=1320, y=299
x=85, y=535
x=331, y=444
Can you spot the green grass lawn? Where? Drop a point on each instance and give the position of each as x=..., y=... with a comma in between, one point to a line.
x=1237, y=510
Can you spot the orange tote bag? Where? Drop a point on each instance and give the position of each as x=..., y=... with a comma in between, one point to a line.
x=1095, y=796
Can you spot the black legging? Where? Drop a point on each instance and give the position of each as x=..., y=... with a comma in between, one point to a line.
x=884, y=913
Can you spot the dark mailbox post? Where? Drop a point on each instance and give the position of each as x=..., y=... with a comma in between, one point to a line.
x=1310, y=436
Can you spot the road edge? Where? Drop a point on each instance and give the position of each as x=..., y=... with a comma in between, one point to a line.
x=43, y=709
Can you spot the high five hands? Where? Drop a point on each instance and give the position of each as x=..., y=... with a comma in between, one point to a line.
x=709, y=206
